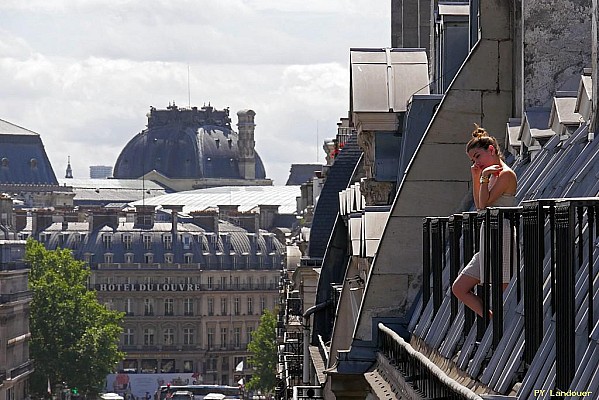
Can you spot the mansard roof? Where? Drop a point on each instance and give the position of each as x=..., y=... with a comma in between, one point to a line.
x=23, y=159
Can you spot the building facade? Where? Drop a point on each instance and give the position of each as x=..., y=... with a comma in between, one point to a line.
x=192, y=290
x=15, y=299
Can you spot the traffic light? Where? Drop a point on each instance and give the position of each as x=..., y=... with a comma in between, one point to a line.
x=74, y=391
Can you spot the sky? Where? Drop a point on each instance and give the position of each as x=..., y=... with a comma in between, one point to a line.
x=84, y=73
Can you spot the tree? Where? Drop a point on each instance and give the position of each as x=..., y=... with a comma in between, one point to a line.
x=74, y=338
x=263, y=356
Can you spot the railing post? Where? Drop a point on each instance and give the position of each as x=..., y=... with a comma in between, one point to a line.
x=496, y=276
x=534, y=251
x=469, y=245
x=437, y=231
x=426, y=262
x=455, y=232
x=564, y=299
x=483, y=322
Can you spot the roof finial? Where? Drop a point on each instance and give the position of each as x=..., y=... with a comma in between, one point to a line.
x=69, y=173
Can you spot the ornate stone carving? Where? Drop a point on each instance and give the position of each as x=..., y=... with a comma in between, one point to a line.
x=366, y=143
x=377, y=193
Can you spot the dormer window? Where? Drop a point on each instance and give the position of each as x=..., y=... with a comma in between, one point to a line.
x=147, y=239
x=186, y=242
x=107, y=240
x=168, y=258
x=128, y=258
x=148, y=258
x=188, y=258
x=168, y=242
x=127, y=240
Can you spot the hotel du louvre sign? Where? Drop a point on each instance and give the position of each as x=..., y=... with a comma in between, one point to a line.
x=147, y=287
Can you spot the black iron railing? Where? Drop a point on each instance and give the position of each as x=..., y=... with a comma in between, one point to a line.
x=554, y=236
x=425, y=377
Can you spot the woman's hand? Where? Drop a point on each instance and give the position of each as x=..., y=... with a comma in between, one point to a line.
x=492, y=170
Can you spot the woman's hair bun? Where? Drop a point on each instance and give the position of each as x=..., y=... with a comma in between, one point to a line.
x=479, y=132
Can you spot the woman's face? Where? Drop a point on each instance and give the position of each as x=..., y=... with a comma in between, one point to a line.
x=482, y=158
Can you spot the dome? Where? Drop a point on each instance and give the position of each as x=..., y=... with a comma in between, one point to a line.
x=194, y=143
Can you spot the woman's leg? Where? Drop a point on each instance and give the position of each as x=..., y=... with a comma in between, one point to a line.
x=462, y=289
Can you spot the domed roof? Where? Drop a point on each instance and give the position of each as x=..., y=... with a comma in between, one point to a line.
x=185, y=143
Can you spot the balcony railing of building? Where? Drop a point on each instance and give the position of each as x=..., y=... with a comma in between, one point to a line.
x=187, y=266
x=554, y=266
x=14, y=297
x=13, y=266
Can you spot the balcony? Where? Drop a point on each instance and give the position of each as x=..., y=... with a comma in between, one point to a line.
x=545, y=318
x=22, y=369
x=14, y=297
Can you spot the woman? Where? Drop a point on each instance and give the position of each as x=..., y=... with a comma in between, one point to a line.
x=493, y=184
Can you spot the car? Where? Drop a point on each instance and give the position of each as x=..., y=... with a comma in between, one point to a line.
x=182, y=395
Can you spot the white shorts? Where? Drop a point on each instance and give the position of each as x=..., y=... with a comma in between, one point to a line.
x=475, y=267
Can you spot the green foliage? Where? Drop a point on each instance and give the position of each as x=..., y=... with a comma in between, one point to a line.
x=74, y=339
x=263, y=351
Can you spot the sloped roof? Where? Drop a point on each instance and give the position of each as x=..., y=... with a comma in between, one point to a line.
x=23, y=159
x=327, y=208
x=302, y=173
x=246, y=197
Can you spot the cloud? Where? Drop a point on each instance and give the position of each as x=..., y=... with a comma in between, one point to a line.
x=84, y=73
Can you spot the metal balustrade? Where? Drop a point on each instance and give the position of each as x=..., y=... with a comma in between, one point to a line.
x=552, y=246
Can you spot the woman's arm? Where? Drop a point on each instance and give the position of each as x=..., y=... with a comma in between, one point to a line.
x=505, y=182
x=475, y=184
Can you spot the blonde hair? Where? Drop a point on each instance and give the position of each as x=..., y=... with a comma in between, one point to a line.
x=482, y=139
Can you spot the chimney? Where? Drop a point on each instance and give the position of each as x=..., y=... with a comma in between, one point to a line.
x=268, y=213
x=99, y=217
x=227, y=210
x=20, y=220
x=249, y=221
x=6, y=211
x=42, y=219
x=246, y=144
x=175, y=210
x=144, y=216
x=207, y=220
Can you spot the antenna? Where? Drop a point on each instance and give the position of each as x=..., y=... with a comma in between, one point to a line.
x=188, y=88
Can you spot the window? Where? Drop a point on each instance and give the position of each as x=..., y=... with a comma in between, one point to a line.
x=188, y=366
x=129, y=307
x=127, y=240
x=223, y=338
x=250, y=282
x=210, y=282
x=188, y=307
x=147, y=239
x=210, y=306
x=168, y=258
x=188, y=336
x=262, y=282
x=210, y=338
x=129, y=337
x=107, y=240
x=223, y=306
x=249, y=330
x=128, y=258
x=188, y=258
x=169, y=307
x=186, y=242
x=223, y=282
x=250, y=306
x=108, y=258
x=237, y=337
x=236, y=282
x=169, y=336
x=148, y=337
x=262, y=304
x=148, y=258
x=168, y=242
x=237, y=306
x=148, y=306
